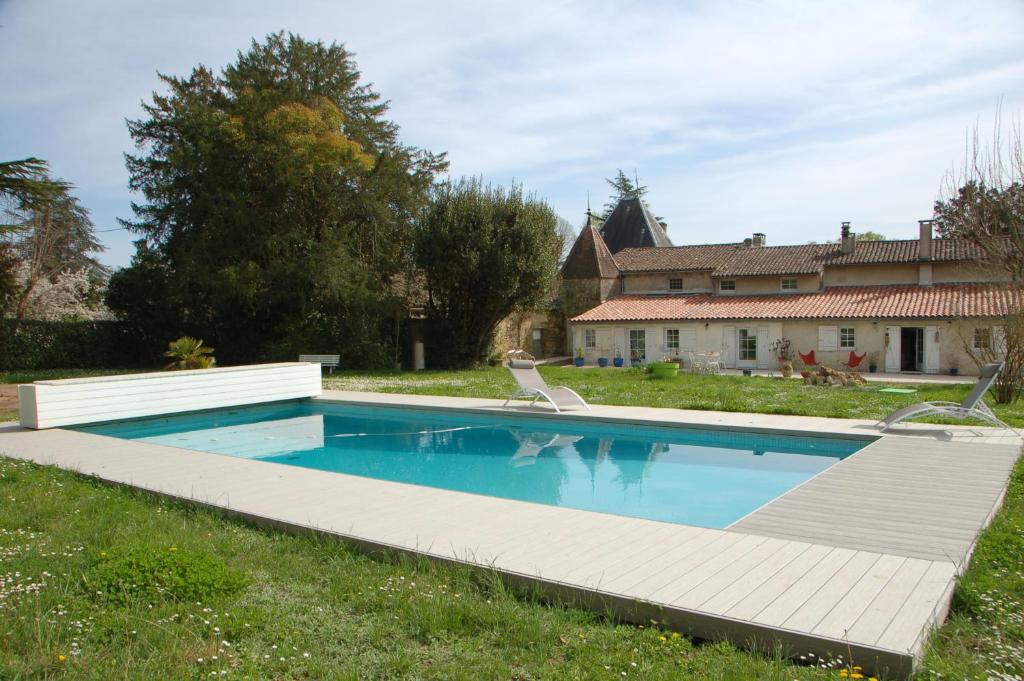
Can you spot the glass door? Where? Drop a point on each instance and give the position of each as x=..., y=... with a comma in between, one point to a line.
x=637, y=346
x=746, y=347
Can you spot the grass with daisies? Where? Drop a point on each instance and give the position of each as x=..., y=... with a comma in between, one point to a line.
x=105, y=582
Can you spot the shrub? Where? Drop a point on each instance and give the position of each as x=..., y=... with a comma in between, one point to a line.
x=166, y=573
x=35, y=344
x=189, y=353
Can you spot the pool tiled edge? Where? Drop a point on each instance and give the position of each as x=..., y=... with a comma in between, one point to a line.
x=749, y=583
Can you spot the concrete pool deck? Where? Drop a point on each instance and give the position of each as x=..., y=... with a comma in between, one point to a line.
x=861, y=560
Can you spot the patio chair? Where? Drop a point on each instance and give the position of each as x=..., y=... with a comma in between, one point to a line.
x=698, y=362
x=713, y=363
x=854, y=360
x=808, y=359
x=973, y=405
x=531, y=384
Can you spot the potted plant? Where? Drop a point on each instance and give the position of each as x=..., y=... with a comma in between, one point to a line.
x=786, y=367
x=954, y=366
x=617, y=360
x=782, y=349
x=495, y=359
x=666, y=368
x=747, y=372
x=806, y=372
x=579, y=357
x=872, y=362
x=602, y=362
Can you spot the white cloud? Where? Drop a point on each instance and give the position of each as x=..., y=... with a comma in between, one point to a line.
x=783, y=116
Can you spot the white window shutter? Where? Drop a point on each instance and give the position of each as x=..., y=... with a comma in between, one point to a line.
x=828, y=338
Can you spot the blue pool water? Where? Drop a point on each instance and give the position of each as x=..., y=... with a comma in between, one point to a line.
x=697, y=477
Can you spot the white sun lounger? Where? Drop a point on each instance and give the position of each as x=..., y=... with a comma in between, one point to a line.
x=531, y=384
x=973, y=405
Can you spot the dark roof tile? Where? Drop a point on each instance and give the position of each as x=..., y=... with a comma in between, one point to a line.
x=632, y=225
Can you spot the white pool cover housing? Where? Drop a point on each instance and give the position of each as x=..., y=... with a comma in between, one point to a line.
x=75, y=401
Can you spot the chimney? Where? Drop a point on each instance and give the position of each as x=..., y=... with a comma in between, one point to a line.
x=847, y=240
x=924, y=243
x=748, y=242
x=758, y=240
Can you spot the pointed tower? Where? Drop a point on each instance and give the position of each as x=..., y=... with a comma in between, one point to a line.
x=589, y=257
x=589, y=274
x=632, y=225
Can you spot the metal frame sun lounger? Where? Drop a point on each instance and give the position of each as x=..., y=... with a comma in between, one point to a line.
x=531, y=384
x=973, y=405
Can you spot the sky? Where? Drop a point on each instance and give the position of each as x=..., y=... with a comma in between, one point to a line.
x=780, y=117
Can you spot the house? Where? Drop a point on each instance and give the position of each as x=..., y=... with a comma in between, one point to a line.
x=911, y=305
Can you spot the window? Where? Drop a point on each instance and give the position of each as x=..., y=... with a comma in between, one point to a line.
x=727, y=285
x=847, y=337
x=748, y=344
x=983, y=338
x=672, y=339
x=675, y=284
x=789, y=284
x=637, y=345
x=590, y=338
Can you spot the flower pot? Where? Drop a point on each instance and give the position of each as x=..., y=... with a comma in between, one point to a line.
x=618, y=361
x=602, y=362
x=953, y=371
x=578, y=361
x=872, y=368
x=664, y=369
x=786, y=367
x=747, y=372
x=806, y=373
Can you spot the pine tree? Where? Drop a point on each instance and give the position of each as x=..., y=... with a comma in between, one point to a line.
x=622, y=188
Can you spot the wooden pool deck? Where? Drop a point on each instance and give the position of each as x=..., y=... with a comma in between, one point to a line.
x=859, y=561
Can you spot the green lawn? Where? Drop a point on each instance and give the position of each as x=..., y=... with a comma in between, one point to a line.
x=84, y=594
x=634, y=388
x=686, y=391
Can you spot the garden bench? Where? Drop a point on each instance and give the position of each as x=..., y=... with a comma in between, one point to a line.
x=329, y=361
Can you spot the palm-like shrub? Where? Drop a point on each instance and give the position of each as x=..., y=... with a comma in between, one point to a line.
x=189, y=353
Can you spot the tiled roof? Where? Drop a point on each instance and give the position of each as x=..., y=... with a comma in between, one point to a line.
x=905, y=251
x=807, y=259
x=840, y=302
x=703, y=257
x=632, y=225
x=732, y=260
x=589, y=257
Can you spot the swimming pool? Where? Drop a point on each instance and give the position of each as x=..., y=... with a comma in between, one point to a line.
x=709, y=478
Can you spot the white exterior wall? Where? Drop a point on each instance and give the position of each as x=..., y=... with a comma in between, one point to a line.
x=49, y=404
x=945, y=340
x=695, y=336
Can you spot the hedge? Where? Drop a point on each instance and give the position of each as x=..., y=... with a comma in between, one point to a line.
x=33, y=344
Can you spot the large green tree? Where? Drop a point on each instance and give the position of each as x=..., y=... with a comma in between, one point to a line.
x=485, y=252
x=48, y=235
x=278, y=205
x=24, y=184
